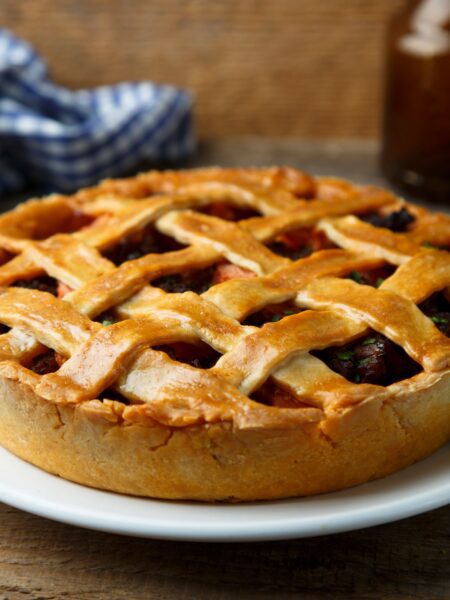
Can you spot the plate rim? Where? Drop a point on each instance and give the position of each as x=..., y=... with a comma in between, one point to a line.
x=387, y=511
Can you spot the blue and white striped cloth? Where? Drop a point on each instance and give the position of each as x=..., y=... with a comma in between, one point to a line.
x=62, y=140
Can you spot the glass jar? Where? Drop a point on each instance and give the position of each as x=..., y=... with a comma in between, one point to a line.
x=416, y=128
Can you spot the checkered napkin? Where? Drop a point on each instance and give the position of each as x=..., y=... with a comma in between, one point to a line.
x=62, y=140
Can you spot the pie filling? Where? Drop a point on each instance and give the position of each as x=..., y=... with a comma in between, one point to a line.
x=106, y=318
x=45, y=363
x=271, y=314
x=428, y=244
x=372, y=359
x=43, y=283
x=145, y=241
x=229, y=212
x=197, y=281
x=398, y=221
x=198, y=355
x=110, y=394
x=272, y=394
x=372, y=277
x=437, y=308
x=200, y=280
x=300, y=243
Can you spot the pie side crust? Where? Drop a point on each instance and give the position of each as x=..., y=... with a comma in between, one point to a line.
x=218, y=461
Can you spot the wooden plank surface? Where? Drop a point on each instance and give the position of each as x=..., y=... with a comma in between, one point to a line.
x=41, y=560
x=280, y=67
x=410, y=559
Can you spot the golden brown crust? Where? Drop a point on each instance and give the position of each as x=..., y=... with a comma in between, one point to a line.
x=197, y=433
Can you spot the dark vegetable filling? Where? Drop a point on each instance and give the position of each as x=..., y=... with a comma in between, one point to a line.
x=373, y=359
x=228, y=212
x=300, y=243
x=200, y=280
x=46, y=363
x=110, y=394
x=430, y=245
x=272, y=394
x=199, y=355
x=4, y=329
x=437, y=308
x=196, y=281
x=271, y=314
x=374, y=277
x=293, y=254
x=107, y=318
x=140, y=243
x=43, y=283
x=397, y=221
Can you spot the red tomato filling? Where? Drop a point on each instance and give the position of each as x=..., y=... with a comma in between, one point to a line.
x=271, y=394
x=300, y=243
x=228, y=271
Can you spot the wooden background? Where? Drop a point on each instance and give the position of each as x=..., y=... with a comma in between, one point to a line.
x=41, y=560
x=310, y=68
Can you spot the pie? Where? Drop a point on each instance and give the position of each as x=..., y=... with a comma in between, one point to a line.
x=224, y=334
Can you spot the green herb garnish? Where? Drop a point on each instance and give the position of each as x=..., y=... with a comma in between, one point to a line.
x=428, y=245
x=356, y=277
x=278, y=316
x=379, y=281
x=107, y=322
x=357, y=378
x=345, y=355
x=363, y=361
x=368, y=341
x=439, y=320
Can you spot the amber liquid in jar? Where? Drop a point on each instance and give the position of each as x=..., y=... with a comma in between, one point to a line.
x=416, y=131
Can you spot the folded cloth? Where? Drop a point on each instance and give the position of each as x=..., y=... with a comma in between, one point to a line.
x=61, y=139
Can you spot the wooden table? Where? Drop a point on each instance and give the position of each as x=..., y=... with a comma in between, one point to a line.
x=409, y=559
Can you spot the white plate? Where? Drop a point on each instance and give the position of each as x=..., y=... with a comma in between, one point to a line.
x=419, y=488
